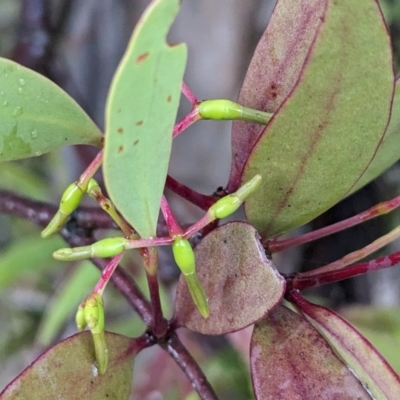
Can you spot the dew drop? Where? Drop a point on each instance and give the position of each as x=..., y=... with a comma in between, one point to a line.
x=22, y=81
x=17, y=112
x=38, y=153
x=20, y=90
x=2, y=93
x=34, y=134
x=5, y=103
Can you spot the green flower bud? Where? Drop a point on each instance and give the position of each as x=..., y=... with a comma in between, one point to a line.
x=71, y=199
x=94, y=313
x=108, y=247
x=184, y=256
x=80, y=318
x=198, y=294
x=220, y=110
x=229, y=204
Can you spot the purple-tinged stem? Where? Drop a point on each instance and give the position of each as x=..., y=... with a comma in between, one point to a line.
x=302, y=282
x=183, y=124
x=189, y=366
x=274, y=245
x=356, y=255
x=89, y=172
x=172, y=225
x=202, y=201
x=189, y=94
x=107, y=273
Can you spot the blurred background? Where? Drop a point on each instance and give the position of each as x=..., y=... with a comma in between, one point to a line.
x=78, y=44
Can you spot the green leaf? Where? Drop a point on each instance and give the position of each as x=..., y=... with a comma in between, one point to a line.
x=65, y=302
x=67, y=371
x=357, y=352
x=28, y=256
x=274, y=71
x=37, y=116
x=325, y=134
x=241, y=284
x=141, y=111
x=389, y=150
x=289, y=359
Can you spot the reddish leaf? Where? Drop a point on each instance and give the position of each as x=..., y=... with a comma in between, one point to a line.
x=325, y=134
x=67, y=371
x=241, y=284
x=290, y=360
x=389, y=150
x=274, y=70
x=356, y=351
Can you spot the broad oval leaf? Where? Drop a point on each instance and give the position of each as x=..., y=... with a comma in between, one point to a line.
x=289, y=359
x=37, y=116
x=356, y=351
x=141, y=111
x=67, y=371
x=274, y=70
x=326, y=133
x=241, y=283
x=389, y=150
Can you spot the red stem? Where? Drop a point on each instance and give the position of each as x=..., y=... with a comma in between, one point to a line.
x=303, y=282
x=200, y=200
x=183, y=124
x=173, y=226
x=189, y=366
x=273, y=245
x=107, y=273
x=189, y=94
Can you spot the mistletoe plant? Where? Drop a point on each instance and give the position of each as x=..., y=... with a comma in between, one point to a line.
x=317, y=118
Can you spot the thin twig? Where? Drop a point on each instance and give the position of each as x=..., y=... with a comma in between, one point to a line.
x=273, y=245
x=200, y=200
x=189, y=366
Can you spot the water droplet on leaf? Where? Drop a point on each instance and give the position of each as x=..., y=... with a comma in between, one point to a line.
x=20, y=90
x=17, y=112
x=38, y=153
x=34, y=134
x=22, y=81
x=5, y=103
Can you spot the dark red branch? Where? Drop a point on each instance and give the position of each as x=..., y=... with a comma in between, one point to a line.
x=200, y=200
x=189, y=366
x=303, y=282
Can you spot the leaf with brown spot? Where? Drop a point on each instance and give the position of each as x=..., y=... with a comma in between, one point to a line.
x=289, y=359
x=241, y=284
x=274, y=70
x=149, y=72
x=67, y=371
x=324, y=136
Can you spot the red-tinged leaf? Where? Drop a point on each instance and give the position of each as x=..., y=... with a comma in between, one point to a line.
x=389, y=150
x=241, y=284
x=68, y=371
x=274, y=70
x=356, y=351
x=290, y=360
x=325, y=134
